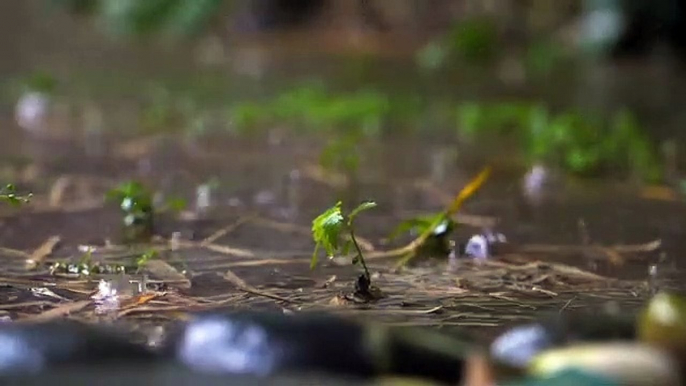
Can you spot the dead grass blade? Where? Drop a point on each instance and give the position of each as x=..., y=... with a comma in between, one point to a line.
x=60, y=311
x=166, y=273
x=226, y=250
x=14, y=253
x=243, y=286
x=409, y=251
x=37, y=258
x=226, y=230
x=25, y=305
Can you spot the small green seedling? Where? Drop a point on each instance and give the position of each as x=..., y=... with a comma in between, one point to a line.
x=136, y=205
x=437, y=243
x=144, y=258
x=434, y=229
x=327, y=231
x=9, y=195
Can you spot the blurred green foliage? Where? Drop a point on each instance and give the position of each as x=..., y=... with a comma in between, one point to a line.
x=312, y=109
x=342, y=153
x=542, y=56
x=473, y=41
x=477, y=42
x=581, y=143
x=136, y=17
x=40, y=81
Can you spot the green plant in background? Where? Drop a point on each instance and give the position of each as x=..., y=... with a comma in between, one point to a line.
x=9, y=195
x=473, y=41
x=328, y=230
x=342, y=154
x=136, y=204
x=310, y=108
x=582, y=144
x=133, y=17
x=630, y=145
x=248, y=117
x=542, y=56
x=159, y=112
x=41, y=81
x=477, y=119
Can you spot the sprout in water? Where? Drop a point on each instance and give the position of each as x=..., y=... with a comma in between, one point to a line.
x=327, y=231
x=136, y=204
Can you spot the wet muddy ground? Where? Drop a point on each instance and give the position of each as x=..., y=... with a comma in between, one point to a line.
x=574, y=244
x=250, y=248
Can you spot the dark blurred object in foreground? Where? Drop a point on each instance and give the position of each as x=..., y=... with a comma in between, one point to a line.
x=251, y=345
x=266, y=344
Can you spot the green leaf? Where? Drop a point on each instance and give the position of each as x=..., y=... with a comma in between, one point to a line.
x=346, y=247
x=176, y=204
x=131, y=196
x=361, y=208
x=144, y=258
x=326, y=230
x=420, y=224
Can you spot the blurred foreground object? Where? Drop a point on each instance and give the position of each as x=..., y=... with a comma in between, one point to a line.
x=627, y=364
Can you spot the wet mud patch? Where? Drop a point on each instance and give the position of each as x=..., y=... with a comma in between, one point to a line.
x=202, y=275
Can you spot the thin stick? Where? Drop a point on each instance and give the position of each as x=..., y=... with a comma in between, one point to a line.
x=61, y=310
x=226, y=230
x=243, y=286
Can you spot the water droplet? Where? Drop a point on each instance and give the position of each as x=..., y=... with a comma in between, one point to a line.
x=203, y=198
x=31, y=111
x=175, y=241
